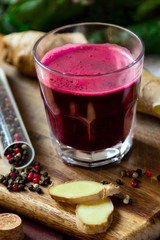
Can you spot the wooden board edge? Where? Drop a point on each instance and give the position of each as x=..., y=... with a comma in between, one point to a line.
x=149, y=230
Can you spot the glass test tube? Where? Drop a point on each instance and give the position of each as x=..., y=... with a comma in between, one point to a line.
x=15, y=146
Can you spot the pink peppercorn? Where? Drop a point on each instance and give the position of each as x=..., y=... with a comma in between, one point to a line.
x=17, y=136
x=8, y=156
x=129, y=174
x=30, y=176
x=35, y=180
x=133, y=184
x=15, y=187
x=36, y=176
x=13, y=154
x=6, y=99
x=8, y=105
x=13, y=174
x=37, y=167
x=148, y=173
x=17, y=150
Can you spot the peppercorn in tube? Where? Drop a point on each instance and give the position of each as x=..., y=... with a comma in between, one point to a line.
x=15, y=146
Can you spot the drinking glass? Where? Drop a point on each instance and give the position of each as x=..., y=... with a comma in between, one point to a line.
x=90, y=116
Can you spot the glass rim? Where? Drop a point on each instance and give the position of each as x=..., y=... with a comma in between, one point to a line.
x=140, y=56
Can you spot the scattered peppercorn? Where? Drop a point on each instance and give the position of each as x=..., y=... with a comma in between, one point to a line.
x=15, y=187
x=30, y=176
x=158, y=178
x=133, y=184
x=5, y=182
x=9, y=187
x=36, y=176
x=38, y=190
x=22, y=182
x=12, y=169
x=148, y=173
x=16, y=180
x=45, y=174
x=21, y=187
x=119, y=182
x=40, y=182
x=1, y=178
x=36, y=185
x=37, y=166
x=123, y=173
x=104, y=182
x=35, y=180
x=126, y=199
x=129, y=174
x=135, y=175
x=136, y=180
x=30, y=187
x=13, y=174
x=139, y=171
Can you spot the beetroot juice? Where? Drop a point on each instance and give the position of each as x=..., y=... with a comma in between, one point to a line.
x=89, y=108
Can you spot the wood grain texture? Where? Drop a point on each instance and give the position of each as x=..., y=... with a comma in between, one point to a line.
x=129, y=221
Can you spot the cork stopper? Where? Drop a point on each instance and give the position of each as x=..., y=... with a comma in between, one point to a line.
x=11, y=227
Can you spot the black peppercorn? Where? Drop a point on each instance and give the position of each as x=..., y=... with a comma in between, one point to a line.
x=12, y=169
x=119, y=182
x=38, y=190
x=47, y=179
x=43, y=183
x=139, y=171
x=21, y=186
x=9, y=187
x=30, y=187
x=24, y=178
x=104, y=182
x=5, y=182
x=25, y=152
x=22, y=182
x=45, y=174
x=7, y=177
x=37, y=171
x=158, y=178
x=135, y=180
x=11, y=160
x=1, y=178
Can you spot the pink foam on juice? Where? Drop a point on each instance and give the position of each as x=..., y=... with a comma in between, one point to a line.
x=88, y=107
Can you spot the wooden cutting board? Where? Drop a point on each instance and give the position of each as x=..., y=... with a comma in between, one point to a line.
x=129, y=221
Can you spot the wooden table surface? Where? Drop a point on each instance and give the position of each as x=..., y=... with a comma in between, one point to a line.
x=129, y=221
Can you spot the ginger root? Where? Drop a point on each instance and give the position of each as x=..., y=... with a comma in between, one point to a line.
x=94, y=212
x=75, y=192
x=18, y=47
x=94, y=218
x=149, y=96
x=18, y=50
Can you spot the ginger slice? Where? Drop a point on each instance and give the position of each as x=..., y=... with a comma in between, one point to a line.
x=75, y=192
x=94, y=218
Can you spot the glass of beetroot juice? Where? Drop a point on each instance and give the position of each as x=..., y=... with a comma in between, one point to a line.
x=89, y=76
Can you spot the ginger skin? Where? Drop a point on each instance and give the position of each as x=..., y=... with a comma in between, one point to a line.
x=149, y=96
x=18, y=50
x=18, y=47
